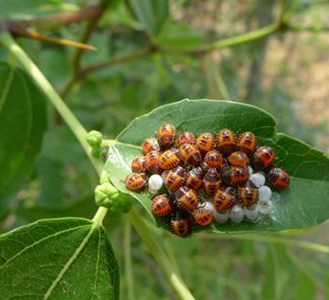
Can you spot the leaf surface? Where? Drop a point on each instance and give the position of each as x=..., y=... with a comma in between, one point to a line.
x=152, y=14
x=68, y=258
x=306, y=201
x=22, y=124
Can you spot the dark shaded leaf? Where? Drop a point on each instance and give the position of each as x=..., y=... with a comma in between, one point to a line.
x=22, y=124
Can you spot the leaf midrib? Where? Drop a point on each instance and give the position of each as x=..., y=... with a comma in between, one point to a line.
x=70, y=261
x=40, y=241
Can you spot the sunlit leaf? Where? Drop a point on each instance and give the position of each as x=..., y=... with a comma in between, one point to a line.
x=68, y=258
x=304, y=203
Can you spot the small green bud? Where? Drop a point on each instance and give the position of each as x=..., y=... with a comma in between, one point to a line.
x=108, y=196
x=96, y=151
x=104, y=177
x=94, y=139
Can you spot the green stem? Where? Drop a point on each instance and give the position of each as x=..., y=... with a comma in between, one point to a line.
x=51, y=94
x=81, y=135
x=99, y=216
x=127, y=258
x=270, y=239
x=115, y=60
x=160, y=257
x=44, y=85
x=228, y=42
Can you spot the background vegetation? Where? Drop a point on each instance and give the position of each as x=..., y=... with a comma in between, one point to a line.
x=154, y=52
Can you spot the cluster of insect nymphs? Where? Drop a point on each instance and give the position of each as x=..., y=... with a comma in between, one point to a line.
x=206, y=178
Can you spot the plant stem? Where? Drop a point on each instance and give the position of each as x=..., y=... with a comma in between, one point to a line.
x=87, y=33
x=228, y=42
x=115, y=60
x=81, y=134
x=51, y=94
x=160, y=256
x=270, y=239
x=127, y=258
x=99, y=216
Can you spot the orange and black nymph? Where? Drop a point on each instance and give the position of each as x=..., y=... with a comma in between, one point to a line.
x=279, y=178
x=263, y=157
x=224, y=199
x=166, y=135
x=135, y=181
x=168, y=160
x=161, y=205
x=187, y=198
x=247, y=196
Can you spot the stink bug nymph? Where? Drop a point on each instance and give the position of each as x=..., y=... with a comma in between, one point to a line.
x=279, y=178
x=135, y=181
x=226, y=141
x=211, y=181
x=180, y=226
x=247, y=142
x=235, y=176
x=149, y=145
x=214, y=159
x=187, y=198
x=190, y=154
x=203, y=216
x=161, y=205
x=168, y=160
x=166, y=135
x=152, y=162
x=138, y=164
x=205, y=142
x=174, y=179
x=194, y=178
x=224, y=199
x=248, y=196
x=263, y=157
x=238, y=159
x=185, y=137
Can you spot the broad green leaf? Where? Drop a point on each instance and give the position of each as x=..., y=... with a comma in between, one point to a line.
x=68, y=258
x=22, y=124
x=306, y=201
x=152, y=14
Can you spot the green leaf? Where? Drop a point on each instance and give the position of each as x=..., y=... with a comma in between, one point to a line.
x=22, y=124
x=68, y=258
x=306, y=201
x=179, y=35
x=152, y=14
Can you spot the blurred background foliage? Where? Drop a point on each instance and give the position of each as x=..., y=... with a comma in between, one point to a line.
x=148, y=54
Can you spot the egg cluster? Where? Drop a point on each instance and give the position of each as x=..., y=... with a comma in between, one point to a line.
x=206, y=178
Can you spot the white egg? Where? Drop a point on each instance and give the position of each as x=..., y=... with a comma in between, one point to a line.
x=220, y=217
x=236, y=214
x=265, y=207
x=208, y=206
x=257, y=179
x=251, y=213
x=265, y=193
x=155, y=183
x=250, y=171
